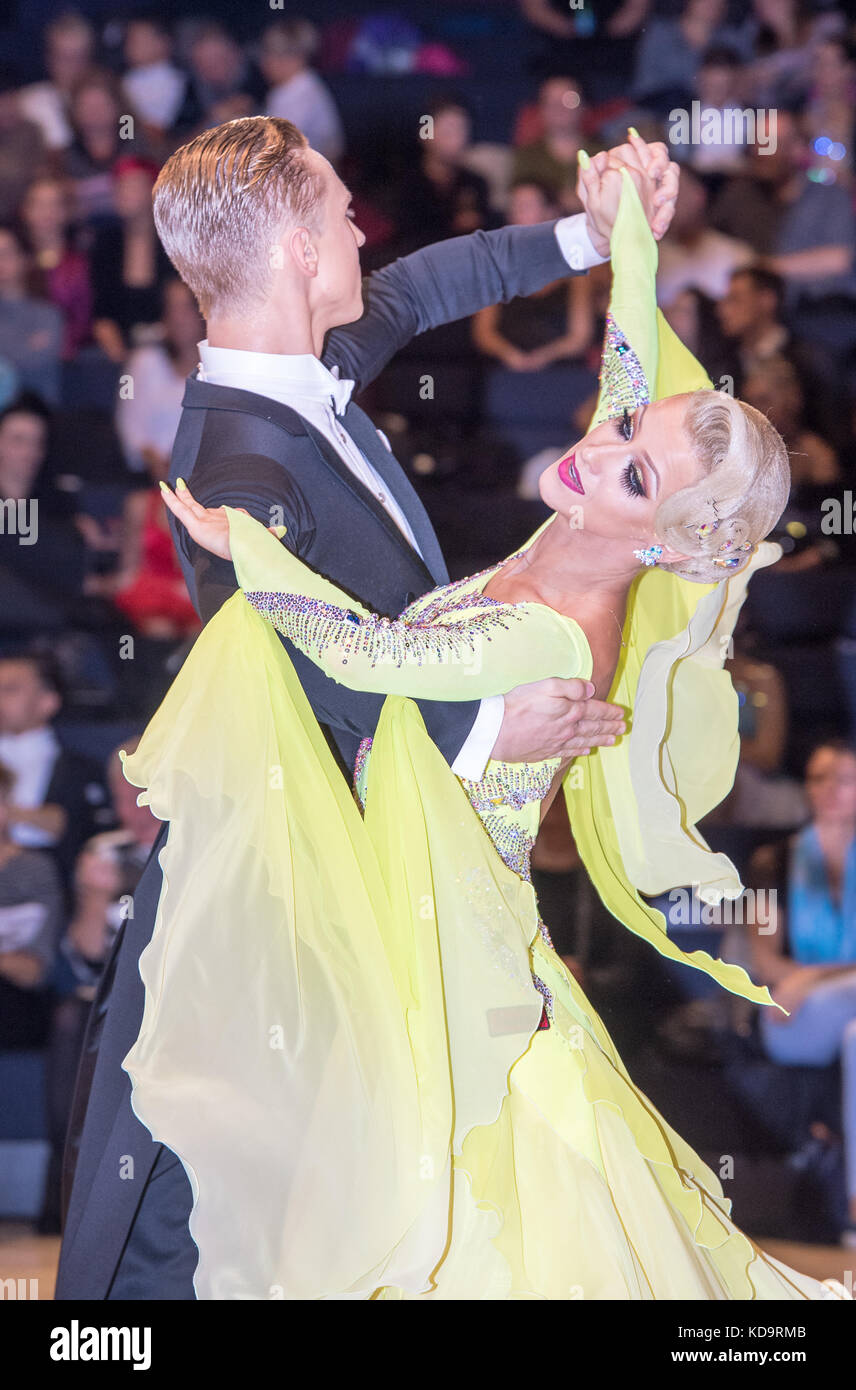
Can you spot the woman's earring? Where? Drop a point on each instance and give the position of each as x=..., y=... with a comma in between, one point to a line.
x=649, y=556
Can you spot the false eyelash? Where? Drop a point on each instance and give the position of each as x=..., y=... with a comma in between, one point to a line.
x=624, y=424
x=630, y=481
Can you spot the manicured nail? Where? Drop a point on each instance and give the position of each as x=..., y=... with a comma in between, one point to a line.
x=181, y=485
x=162, y=485
x=583, y=159
x=631, y=130
x=279, y=531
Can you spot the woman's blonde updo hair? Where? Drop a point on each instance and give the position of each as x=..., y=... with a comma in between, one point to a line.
x=744, y=490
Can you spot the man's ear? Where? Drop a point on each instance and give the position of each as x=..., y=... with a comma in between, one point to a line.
x=303, y=250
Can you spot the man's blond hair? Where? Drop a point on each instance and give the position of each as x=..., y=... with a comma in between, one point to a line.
x=221, y=203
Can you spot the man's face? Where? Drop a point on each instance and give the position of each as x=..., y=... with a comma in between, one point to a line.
x=337, y=287
x=737, y=310
x=24, y=702
x=69, y=54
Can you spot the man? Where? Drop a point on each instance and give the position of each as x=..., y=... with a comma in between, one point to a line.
x=258, y=226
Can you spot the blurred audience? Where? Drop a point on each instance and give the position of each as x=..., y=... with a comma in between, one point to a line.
x=60, y=272
x=295, y=91
x=69, y=54
x=154, y=85
x=439, y=197
x=31, y=329
x=129, y=265
x=805, y=947
x=147, y=417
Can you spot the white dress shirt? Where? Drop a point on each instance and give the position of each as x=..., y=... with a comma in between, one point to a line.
x=31, y=756
x=301, y=381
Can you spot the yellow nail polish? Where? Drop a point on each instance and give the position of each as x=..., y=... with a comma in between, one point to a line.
x=181, y=485
x=631, y=130
x=279, y=531
x=162, y=485
x=583, y=159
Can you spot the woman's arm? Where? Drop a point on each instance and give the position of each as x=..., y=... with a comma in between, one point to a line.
x=483, y=650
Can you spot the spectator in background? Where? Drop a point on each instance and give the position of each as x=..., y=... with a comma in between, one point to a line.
x=155, y=87
x=129, y=265
x=550, y=326
x=552, y=158
x=296, y=92
x=60, y=273
x=692, y=254
x=803, y=230
x=106, y=874
x=42, y=558
x=671, y=50
x=438, y=197
x=693, y=317
x=69, y=54
x=97, y=109
x=773, y=387
x=805, y=948
x=31, y=911
x=831, y=108
x=718, y=92
x=147, y=421
x=23, y=153
x=31, y=330
x=53, y=802
x=223, y=84
x=787, y=36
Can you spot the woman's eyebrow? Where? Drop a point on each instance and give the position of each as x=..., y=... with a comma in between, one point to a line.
x=643, y=453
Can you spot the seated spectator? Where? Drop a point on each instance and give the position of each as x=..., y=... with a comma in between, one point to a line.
x=551, y=160
x=31, y=330
x=69, y=54
x=147, y=421
x=438, y=197
x=99, y=140
x=773, y=387
x=829, y=116
x=693, y=317
x=724, y=141
x=31, y=911
x=60, y=273
x=671, y=50
x=804, y=949
x=55, y=797
x=552, y=325
x=692, y=254
x=296, y=92
x=23, y=152
x=154, y=85
x=106, y=874
x=129, y=265
x=599, y=40
x=750, y=316
x=148, y=586
x=788, y=33
x=223, y=85
x=804, y=231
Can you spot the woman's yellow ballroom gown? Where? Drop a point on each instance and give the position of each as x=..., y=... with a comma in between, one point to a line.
x=380, y=1078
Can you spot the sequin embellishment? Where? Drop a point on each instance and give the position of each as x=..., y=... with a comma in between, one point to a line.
x=622, y=380
x=315, y=627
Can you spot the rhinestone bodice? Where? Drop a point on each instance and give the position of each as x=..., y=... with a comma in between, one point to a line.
x=507, y=799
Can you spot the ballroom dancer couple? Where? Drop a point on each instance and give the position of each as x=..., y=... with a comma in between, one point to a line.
x=334, y=1054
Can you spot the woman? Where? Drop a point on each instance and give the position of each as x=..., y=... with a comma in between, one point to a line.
x=807, y=954
x=61, y=273
x=129, y=265
x=381, y=1080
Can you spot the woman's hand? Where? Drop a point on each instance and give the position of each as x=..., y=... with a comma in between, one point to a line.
x=599, y=188
x=208, y=526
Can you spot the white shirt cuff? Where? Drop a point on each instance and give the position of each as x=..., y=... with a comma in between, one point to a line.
x=575, y=243
x=473, y=757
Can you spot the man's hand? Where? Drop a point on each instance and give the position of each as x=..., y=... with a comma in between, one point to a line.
x=555, y=719
x=599, y=190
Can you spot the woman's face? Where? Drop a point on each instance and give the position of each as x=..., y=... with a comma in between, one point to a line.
x=611, y=483
x=45, y=208
x=133, y=194
x=830, y=783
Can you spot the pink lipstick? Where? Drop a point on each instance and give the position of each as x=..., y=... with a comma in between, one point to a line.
x=569, y=475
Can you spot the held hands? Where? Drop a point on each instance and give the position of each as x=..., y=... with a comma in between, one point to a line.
x=208, y=526
x=599, y=187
